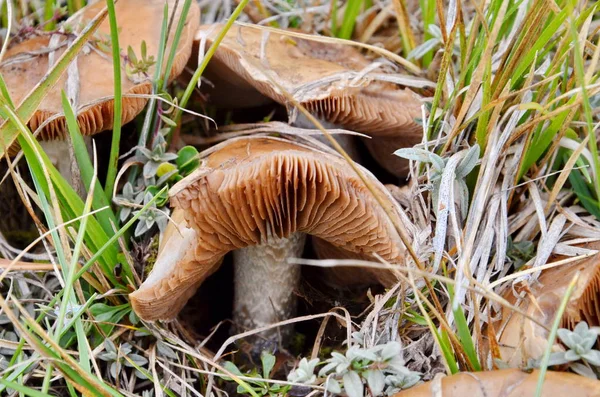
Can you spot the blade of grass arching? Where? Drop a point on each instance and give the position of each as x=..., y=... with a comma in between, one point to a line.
x=176, y=38
x=464, y=334
x=27, y=391
x=71, y=204
x=87, y=170
x=211, y=50
x=9, y=131
x=552, y=336
x=113, y=158
x=350, y=14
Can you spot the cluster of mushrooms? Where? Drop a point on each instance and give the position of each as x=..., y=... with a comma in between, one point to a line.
x=264, y=196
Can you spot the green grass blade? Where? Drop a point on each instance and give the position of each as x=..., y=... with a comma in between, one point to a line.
x=23, y=389
x=111, y=173
x=350, y=14
x=87, y=170
x=552, y=336
x=176, y=38
x=71, y=203
x=9, y=131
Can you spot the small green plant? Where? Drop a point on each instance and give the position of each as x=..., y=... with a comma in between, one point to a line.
x=462, y=162
x=380, y=368
x=122, y=357
x=139, y=66
x=262, y=388
x=581, y=356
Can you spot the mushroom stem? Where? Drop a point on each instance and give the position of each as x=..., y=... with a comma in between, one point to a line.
x=264, y=287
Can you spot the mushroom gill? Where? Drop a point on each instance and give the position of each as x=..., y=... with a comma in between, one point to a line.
x=505, y=383
x=26, y=64
x=520, y=338
x=332, y=81
x=258, y=196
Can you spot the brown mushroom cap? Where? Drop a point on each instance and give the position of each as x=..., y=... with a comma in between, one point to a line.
x=254, y=187
x=138, y=20
x=307, y=70
x=520, y=338
x=506, y=383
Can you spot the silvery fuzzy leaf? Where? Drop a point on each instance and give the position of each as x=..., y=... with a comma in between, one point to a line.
x=150, y=169
x=588, y=341
x=140, y=375
x=422, y=156
x=366, y=354
x=397, y=364
x=333, y=386
x=463, y=196
x=592, y=357
x=420, y=51
x=124, y=214
x=583, y=370
x=390, y=350
x=110, y=346
x=125, y=348
x=435, y=30
x=353, y=385
x=165, y=350
x=557, y=358
x=115, y=368
x=325, y=370
x=581, y=329
x=138, y=360
x=375, y=380
x=468, y=162
x=268, y=362
x=572, y=355
x=140, y=229
x=565, y=336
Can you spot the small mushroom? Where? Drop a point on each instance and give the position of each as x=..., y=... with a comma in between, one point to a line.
x=332, y=81
x=505, y=383
x=259, y=196
x=91, y=83
x=520, y=338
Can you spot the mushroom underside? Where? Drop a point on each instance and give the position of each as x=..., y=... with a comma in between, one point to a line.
x=259, y=187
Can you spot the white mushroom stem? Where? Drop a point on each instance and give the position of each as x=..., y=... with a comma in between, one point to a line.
x=264, y=286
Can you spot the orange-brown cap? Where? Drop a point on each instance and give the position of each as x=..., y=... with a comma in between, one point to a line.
x=26, y=64
x=250, y=188
x=325, y=78
x=506, y=383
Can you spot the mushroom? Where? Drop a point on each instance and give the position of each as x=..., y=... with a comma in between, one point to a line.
x=333, y=81
x=259, y=196
x=505, y=383
x=520, y=338
x=91, y=82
